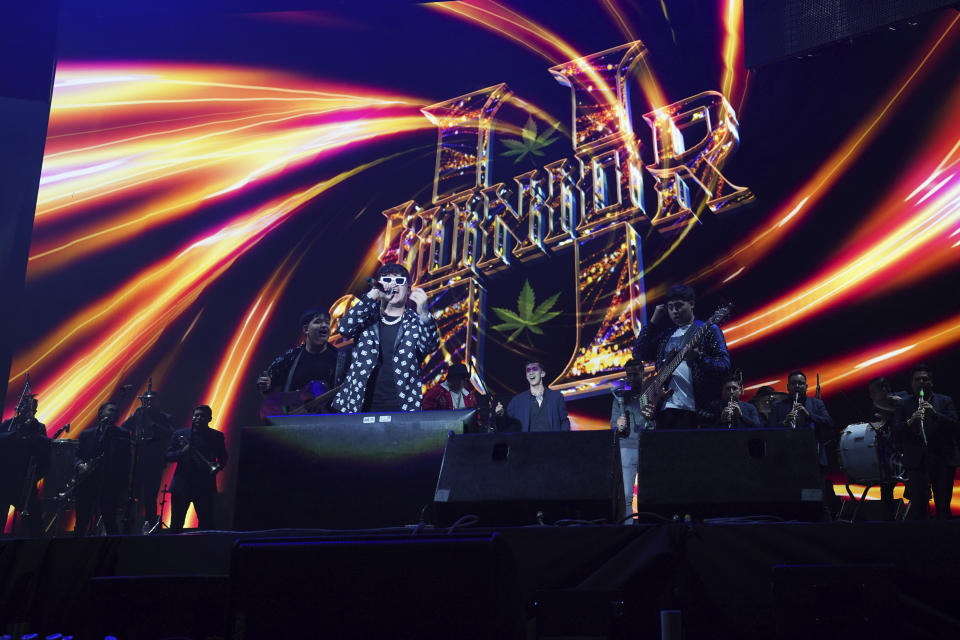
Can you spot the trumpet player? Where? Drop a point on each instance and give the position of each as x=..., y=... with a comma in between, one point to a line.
x=925, y=426
x=200, y=453
x=728, y=411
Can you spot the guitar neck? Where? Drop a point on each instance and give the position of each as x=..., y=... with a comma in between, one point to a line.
x=667, y=370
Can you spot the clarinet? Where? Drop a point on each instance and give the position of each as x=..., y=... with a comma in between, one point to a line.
x=796, y=405
x=731, y=403
x=923, y=429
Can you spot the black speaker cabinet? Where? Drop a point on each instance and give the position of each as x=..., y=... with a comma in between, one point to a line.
x=349, y=471
x=730, y=472
x=510, y=478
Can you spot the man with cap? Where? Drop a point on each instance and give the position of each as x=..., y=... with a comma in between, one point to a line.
x=391, y=341
x=763, y=400
x=452, y=393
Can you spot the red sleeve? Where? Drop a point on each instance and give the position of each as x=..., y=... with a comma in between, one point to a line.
x=431, y=400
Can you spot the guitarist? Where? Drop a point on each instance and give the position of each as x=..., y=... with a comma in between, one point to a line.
x=315, y=359
x=103, y=462
x=688, y=388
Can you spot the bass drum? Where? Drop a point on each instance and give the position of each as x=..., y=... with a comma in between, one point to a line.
x=868, y=455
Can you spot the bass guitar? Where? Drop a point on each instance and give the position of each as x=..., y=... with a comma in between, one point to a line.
x=308, y=400
x=655, y=390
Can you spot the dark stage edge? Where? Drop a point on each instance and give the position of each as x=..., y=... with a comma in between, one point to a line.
x=783, y=580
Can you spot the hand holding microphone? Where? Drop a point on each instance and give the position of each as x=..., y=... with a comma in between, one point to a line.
x=376, y=291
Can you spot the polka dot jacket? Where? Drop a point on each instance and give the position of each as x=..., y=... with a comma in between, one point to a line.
x=416, y=339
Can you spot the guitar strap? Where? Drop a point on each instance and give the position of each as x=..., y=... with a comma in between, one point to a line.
x=293, y=368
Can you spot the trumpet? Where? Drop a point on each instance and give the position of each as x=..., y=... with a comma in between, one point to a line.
x=211, y=467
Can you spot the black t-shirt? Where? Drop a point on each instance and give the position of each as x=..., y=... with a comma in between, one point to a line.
x=384, y=395
x=315, y=366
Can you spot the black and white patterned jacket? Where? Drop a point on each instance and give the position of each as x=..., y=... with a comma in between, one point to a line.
x=415, y=339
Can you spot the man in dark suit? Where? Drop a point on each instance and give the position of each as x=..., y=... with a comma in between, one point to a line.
x=728, y=411
x=926, y=426
x=24, y=460
x=150, y=428
x=200, y=453
x=103, y=469
x=800, y=411
x=537, y=409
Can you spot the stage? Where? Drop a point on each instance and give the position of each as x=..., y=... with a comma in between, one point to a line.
x=727, y=579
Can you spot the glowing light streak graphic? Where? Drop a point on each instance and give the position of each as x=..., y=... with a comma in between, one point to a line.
x=832, y=169
x=732, y=50
x=765, y=383
x=622, y=24
x=884, y=356
x=733, y=275
x=521, y=29
x=859, y=366
x=856, y=275
x=96, y=348
x=168, y=168
x=234, y=363
x=934, y=189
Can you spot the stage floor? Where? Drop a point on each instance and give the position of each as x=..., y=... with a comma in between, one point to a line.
x=728, y=579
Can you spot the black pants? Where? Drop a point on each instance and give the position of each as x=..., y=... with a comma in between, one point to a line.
x=936, y=474
x=90, y=507
x=887, y=501
x=202, y=503
x=676, y=419
x=146, y=482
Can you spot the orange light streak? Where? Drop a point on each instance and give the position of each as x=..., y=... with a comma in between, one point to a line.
x=95, y=346
x=787, y=216
x=862, y=365
x=916, y=234
x=165, y=171
x=234, y=363
x=732, y=51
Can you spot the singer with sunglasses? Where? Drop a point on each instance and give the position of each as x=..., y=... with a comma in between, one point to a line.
x=393, y=332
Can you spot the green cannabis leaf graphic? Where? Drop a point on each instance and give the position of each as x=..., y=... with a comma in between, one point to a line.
x=528, y=315
x=531, y=143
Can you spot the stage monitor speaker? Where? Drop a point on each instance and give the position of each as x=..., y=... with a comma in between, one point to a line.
x=341, y=471
x=730, y=472
x=510, y=478
x=376, y=586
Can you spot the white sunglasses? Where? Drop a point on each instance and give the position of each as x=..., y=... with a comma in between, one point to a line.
x=398, y=280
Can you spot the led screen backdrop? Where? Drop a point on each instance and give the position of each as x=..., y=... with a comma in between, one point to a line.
x=546, y=170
